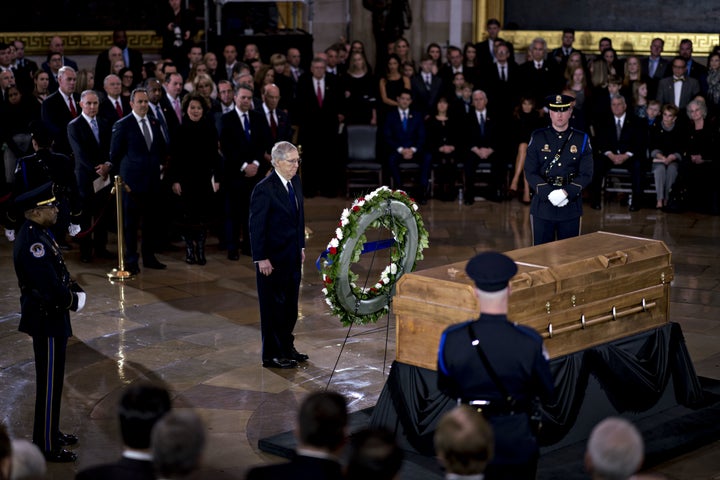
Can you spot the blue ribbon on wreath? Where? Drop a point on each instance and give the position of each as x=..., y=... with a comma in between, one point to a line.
x=368, y=247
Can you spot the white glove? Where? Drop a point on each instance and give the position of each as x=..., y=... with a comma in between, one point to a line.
x=557, y=196
x=10, y=235
x=81, y=300
x=563, y=203
x=73, y=229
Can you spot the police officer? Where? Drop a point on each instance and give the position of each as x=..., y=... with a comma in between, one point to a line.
x=512, y=375
x=558, y=166
x=47, y=295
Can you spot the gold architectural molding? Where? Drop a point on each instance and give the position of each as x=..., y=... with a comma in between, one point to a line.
x=626, y=43
x=83, y=43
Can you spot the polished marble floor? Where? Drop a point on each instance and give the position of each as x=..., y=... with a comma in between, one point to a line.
x=197, y=329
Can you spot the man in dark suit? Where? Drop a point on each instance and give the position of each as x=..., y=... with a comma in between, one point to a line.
x=89, y=137
x=60, y=108
x=113, y=106
x=278, y=121
x=244, y=138
x=677, y=89
x=539, y=77
x=133, y=58
x=171, y=101
x=502, y=83
x=277, y=236
x=57, y=45
x=319, y=107
x=448, y=71
x=140, y=408
x=321, y=425
x=481, y=145
x=486, y=48
x=654, y=66
x=562, y=53
x=137, y=151
x=426, y=87
x=155, y=93
x=693, y=69
x=404, y=133
x=226, y=101
x=48, y=295
x=620, y=143
x=24, y=68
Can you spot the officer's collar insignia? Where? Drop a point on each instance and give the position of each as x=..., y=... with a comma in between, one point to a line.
x=37, y=250
x=573, y=149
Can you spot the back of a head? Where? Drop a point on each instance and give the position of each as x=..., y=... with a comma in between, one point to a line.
x=614, y=450
x=28, y=462
x=322, y=420
x=178, y=440
x=375, y=456
x=140, y=407
x=464, y=441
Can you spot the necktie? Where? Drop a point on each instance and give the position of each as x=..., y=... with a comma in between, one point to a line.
x=482, y=124
x=679, y=79
x=538, y=65
x=273, y=125
x=428, y=82
x=404, y=120
x=95, y=129
x=146, y=133
x=618, y=129
x=319, y=95
x=118, y=109
x=178, y=110
x=292, y=200
x=653, y=66
x=163, y=125
x=502, y=73
x=71, y=103
x=246, y=126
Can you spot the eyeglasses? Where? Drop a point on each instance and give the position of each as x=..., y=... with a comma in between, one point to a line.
x=295, y=162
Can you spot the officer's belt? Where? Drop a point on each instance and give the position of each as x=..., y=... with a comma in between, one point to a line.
x=561, y=180
x=496, y=408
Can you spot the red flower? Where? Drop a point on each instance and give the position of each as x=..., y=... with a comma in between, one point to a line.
x=333, y=251
x=373, y=289
x=355, y=208
x=328, y=280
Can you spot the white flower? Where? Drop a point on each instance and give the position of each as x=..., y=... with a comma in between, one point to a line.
x=334, y=243
x=386, y=280
x=344, y=222
x=345, y=213
x=339, y=233
x=370, y=196
x=329, y=302
x=386, y=271
x=360, y=203
x=415, y=207
x=393, y=268
x=378, y=286
x=325, y=291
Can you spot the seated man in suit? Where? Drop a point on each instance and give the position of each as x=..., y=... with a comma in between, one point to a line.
x=482, y=143
x=321, y=431
x=620, y=143
x=141, y=406
x=405, y=137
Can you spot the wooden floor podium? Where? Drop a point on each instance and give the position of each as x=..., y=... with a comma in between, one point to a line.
x=576, y=293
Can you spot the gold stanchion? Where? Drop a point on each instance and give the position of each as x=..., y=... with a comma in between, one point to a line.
x=119, y=273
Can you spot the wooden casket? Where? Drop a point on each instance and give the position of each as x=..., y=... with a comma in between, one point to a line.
x=576, y=293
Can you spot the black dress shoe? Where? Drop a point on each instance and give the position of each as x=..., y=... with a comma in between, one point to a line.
x=300, y=357
x=154, y=264
x=132, y=268
x=233, y=255
x=60, y=456
x=67, y=439
x=279, y=363
x=633, y=207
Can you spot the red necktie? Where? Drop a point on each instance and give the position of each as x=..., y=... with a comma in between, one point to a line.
x=118, y=109
x=319, y=95
x=73, y=111
x=273, y=125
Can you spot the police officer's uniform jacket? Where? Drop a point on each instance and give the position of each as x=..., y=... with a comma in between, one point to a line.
x=558, y=160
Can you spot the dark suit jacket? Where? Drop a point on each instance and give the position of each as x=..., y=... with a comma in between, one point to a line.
x=66, y=63
x=397, y=137
x=485, y=59
x=473, y=136
x=300, y=468
x=317, y=122
x=56, y=116
x=138, y=166
x=236, y=147
x=88, y=152
x=103, y=67
x=666, y=91
x=107, y=109
x=275, y=234
x=632, y=136
x=170, y=116
x=423, y=99
x=123, y=469
x=540, y=83
x=503, y=96
x=284, y=128
x=660, y=71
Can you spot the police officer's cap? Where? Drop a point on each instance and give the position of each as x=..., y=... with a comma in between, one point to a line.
x=38, y=197
x=559, y=103
x=40, y=133
x=491, y=271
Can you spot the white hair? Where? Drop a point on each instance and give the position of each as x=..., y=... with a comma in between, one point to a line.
x=615, y=449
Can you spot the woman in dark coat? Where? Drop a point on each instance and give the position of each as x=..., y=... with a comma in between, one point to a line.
x=194, y=162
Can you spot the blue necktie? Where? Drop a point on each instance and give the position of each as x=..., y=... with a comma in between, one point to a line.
x=482, y=124
x=246, y=126
x=292, y=199
x=95, y=129
x=404, y=121
x=163, y=126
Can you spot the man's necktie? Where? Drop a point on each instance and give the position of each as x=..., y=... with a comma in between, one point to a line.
x=618, y=129
x=73, y=110
x=178, y=110
x=146, y=133
x=163, y=125
x=502, y=73
x=95, y=129
x=404, y=120
x=292, y=199
x=428, y=82
x=118, y=109
x=273, y=125
x=319, y=95
x=482, y=124
x=246, y=125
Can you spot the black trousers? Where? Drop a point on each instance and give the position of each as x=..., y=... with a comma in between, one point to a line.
x=278, y=296
x=141, y=211
x=49, y=374
x=546, y=231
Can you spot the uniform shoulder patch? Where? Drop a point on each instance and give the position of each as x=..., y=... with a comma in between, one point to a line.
x=37, y=250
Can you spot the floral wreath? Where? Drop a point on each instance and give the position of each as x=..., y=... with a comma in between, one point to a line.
x=394, y=210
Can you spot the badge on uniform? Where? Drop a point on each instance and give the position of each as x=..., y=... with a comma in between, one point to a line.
x=573, y=149
x=37, y=250
x=546, y=148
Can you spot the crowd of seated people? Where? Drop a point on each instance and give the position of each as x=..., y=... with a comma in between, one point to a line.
x=472, y=111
